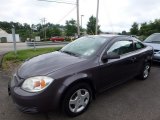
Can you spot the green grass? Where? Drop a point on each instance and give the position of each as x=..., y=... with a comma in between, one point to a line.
x=10, y=59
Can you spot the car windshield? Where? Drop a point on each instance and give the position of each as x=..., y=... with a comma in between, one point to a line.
x=154, y=38
x=84, y=46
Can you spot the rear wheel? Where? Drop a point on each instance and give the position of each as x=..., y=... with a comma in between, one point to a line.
x=77, y=99
x=145, y=72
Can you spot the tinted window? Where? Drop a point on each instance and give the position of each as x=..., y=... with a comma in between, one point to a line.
x=121, y=47
x=139, y=45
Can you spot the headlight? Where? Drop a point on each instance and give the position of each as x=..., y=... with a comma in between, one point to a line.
x=36, y=84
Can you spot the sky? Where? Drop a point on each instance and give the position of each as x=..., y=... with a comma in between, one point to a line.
x=114, y=15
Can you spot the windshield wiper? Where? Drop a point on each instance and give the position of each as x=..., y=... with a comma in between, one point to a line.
x=70, y=53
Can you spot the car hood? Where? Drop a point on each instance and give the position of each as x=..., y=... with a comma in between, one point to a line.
x=154, y=45
x=46, y=63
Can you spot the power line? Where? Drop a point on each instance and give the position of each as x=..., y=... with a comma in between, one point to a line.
x=58, y=2
x=77, y=5
x=66, y=15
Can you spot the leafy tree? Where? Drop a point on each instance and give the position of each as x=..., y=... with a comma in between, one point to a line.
x=124, y=32
x=6, y=26
x=147, y=29
x=144, y=29
x=91, y=26
x=30, y=31
x=134, y=30
x=55, y=31
x=70, y=28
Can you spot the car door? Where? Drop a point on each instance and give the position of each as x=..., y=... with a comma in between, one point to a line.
x=117, y=70
x=140, y=55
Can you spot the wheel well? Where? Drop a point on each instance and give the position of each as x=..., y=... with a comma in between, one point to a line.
x=148, y=60
x=87, y=81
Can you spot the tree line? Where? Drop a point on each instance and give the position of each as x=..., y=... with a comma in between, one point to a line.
x=26, y=30
x=144, y=29
x=70, y=29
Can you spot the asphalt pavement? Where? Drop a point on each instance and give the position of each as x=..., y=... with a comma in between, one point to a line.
x=133, y=100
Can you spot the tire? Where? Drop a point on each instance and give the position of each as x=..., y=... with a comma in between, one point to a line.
x=145, y=71
x=77, y=99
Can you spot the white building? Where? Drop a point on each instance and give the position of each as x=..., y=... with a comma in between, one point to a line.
x=8, y=37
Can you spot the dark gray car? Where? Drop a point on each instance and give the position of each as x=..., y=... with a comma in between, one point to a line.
x=154, y=41
x=71, y=78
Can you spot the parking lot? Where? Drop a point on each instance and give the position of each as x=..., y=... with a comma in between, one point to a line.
x=133, y=100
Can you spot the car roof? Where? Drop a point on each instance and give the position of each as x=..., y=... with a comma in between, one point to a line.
x=109, y=36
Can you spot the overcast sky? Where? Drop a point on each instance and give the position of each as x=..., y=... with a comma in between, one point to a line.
x=114, y=15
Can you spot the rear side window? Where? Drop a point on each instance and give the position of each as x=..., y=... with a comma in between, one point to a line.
x=138, y=45
x=121, y=47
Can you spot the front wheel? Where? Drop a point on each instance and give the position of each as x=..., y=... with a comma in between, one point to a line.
x=145, y=72
x=77, y=99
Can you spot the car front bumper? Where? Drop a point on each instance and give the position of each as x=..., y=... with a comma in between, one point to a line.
x=156, y=57
x=29, y=102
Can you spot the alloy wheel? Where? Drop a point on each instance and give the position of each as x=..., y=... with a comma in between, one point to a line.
x=146, y=71
x=79, y=100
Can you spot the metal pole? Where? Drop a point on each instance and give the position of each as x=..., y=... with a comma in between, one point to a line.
x=81, y=21
x=34, y=45
x=14, y=40
x=32, y=37
x=43, y=20
x=97, y=17
x=45, y=28
x=78, y=30
x=34, y=41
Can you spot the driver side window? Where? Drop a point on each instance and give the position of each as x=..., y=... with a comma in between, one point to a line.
x=121, y=47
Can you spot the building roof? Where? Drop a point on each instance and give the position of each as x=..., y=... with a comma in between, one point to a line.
x=3, y=31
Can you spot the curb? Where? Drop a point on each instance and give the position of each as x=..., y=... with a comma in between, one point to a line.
x=1, y=57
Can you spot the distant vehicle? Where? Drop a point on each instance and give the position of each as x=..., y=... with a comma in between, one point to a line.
x=57, y=38
x=154, y=41
x=68, y=79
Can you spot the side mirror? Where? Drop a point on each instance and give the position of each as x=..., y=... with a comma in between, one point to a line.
x=110, y=55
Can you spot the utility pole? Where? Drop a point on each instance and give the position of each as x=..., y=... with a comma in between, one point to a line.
x=43, y=20
x=45, y=28
x=97, y=17
x=78, y=30
x=32, y=32
x=14, y=40
x=81, y=21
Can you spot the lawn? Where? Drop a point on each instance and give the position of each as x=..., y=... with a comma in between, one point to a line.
x=10, y=59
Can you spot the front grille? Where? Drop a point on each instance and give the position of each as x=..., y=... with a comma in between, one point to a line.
x=156, y=50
